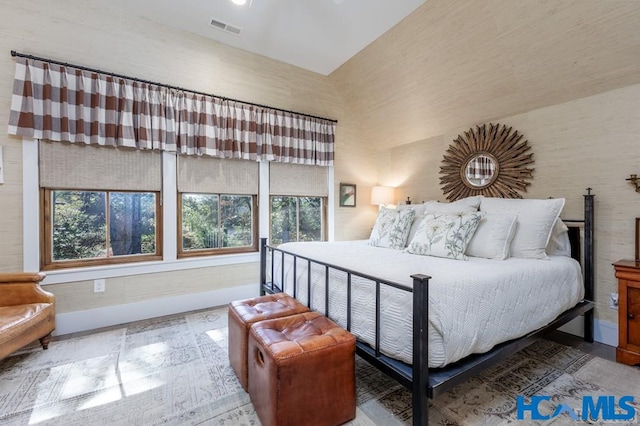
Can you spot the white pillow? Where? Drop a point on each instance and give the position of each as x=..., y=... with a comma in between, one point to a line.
x=559, y=243
x=392, y=228
x=535, y=222
x=469, y=204
x=445, y=235
x=493, y=236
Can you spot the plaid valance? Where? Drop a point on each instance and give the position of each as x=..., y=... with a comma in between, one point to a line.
x=63, y=103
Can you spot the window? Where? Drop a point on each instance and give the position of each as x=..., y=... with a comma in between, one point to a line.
x=92, y=227
x=217, y=223
x=297, y=219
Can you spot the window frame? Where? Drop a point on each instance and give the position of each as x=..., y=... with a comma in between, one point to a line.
x=324, y=225
x=46, y=237
x=181, y=253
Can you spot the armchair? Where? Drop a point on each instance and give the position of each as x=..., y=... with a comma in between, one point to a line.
x=27, y=312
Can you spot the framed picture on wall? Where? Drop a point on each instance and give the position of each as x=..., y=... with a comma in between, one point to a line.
x=347, y=195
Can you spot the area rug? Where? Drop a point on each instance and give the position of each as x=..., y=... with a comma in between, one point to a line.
x=175, y=371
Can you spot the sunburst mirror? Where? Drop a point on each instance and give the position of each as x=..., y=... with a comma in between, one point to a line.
x=489, y=160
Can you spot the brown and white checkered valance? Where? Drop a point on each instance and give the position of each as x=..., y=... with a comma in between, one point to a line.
x=63, y=103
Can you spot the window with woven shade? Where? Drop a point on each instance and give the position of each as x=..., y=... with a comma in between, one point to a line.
x=100, y=205
x=298, y=200
x=217, y=206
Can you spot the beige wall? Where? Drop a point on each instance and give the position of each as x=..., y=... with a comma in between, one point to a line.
x=444, y=68
x=588, y=142
x=450, y=63
x=93, y=34
x=77, y=296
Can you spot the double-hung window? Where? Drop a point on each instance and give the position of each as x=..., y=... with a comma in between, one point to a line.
x=217, y=203
x=298, y=199
x=99, y=205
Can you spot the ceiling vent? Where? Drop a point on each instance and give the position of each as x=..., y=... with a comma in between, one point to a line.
x=216, y=23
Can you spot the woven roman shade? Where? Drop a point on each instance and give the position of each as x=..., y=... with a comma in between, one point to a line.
x=219, y=176
x=80, y=166
x=295, y=179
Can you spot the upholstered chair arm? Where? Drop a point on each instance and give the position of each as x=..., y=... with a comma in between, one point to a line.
x=21, y=288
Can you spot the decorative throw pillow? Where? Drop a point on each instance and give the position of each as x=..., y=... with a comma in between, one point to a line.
x=445, y=235
x=419, y=214
x=493, y=236
x=465, y=205
x=392, y=228
x=535, y=222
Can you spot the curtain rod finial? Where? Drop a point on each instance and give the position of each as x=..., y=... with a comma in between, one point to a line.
x=14, y=53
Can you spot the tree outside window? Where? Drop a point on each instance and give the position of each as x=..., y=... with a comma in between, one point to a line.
x=95, y=225
x=217, y=222
x=296, y=219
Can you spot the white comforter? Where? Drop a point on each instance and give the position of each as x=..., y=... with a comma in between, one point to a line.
x=473, y=305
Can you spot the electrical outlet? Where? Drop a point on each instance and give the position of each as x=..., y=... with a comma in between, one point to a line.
x=98, y=286
x=613, y=301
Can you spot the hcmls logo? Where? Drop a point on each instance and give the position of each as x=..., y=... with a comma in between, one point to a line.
x=602, y=407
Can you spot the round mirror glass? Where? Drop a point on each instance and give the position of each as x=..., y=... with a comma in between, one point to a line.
x=480, y=171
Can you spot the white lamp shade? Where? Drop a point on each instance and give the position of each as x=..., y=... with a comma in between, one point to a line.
x=382, y=195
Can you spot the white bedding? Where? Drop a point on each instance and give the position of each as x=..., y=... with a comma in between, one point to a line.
x=473, y=305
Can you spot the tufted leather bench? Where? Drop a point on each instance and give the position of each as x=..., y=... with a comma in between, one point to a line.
x=244, y=313
x=302, y=371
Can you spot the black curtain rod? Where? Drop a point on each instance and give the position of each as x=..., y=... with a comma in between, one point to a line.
x=80, y=67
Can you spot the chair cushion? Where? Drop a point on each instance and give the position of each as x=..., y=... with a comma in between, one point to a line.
x=15, y=320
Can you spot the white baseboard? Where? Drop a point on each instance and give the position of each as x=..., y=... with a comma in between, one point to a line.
x=91, y=319
x=603, y=331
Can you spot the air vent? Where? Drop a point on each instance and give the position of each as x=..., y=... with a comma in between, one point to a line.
x=216, y=23
x=234, y=30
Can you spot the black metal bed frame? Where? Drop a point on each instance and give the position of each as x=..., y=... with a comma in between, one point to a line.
x=428, y=383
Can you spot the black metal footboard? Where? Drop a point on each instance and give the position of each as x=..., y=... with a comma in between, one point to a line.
x=423, y=382
x=370, y=351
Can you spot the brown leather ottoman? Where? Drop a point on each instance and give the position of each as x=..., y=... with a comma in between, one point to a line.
x=243, y=313
x=302, y=371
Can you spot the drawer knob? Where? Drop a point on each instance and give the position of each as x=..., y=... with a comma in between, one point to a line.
x=631, y=316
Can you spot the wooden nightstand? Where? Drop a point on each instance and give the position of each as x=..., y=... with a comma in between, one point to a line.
x=628, y=275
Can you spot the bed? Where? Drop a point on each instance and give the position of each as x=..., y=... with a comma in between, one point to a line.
x=434, y=333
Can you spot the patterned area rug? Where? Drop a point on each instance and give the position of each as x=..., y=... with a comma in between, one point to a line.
x=175, y=371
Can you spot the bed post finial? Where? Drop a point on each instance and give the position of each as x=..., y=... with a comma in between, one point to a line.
x=589, y=191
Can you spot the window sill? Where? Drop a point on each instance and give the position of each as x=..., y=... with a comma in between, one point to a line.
x=126, y=269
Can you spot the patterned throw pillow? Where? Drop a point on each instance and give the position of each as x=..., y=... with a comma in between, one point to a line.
x=392, y=228
x=445, y=235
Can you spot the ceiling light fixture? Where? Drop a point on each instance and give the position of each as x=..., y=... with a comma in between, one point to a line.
x=239, y=2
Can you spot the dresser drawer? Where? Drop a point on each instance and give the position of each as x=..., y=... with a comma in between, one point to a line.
x=633, y=316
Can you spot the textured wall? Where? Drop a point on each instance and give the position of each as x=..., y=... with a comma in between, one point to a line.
x=77, y=296
x=589, y=142
x=450, y=63
x=94, y=34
